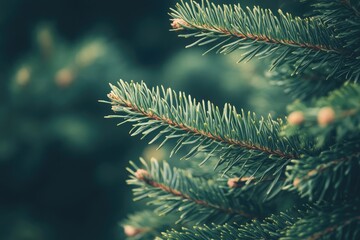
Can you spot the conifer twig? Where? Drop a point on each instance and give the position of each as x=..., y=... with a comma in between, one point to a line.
x=176, y=190
x=143, y=175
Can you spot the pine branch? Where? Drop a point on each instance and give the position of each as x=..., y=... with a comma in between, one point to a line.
x=262, y=188
x=343, y=16
x=333, y=222
x=270, y=228
x=332, y=175
x=352, y=5
x=175, y=190
x=235, y=138
x=312, y=83
x=291, y=40
x=334, y=118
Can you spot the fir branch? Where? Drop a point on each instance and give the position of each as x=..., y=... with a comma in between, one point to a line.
x=352, y=6
x=333, y=118
x=343, y=17
x=311, y=83
x=177, y=190
x=237, y=139
x=331, y=229
x=291, y=40
x=233, y=20
x=269, y=228
x=328, y=222
x=332, y=175
x=149, y=181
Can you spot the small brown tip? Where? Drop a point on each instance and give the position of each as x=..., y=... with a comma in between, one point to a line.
x=141, y=174
x=296, y=118
x=179, y=24
x=325, y=116
x=131, y=231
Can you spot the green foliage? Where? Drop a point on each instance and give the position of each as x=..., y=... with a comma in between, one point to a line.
x=328, y=222
x=270, y=228
x=315, y=155
x=198, y=199
x=344, y=18
x=312, y=82
x=332, y=175
x=329, y=128
x=237, y=140
x=328, y=44
x=290, y=40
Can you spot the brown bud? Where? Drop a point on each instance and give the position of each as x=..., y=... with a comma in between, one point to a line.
x=131, y=231
x=64, y=77
x=178, y=23
x=296, y=182
x=325, y=116
x=233, y=182
x=296, y=118
x=113, y=96
x=141, y=174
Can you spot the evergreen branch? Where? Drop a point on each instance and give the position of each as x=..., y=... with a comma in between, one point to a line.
x=148, y=180
x=177, y=190
x=325, y=124
x=185, y=124
x=332, y=222
x=236, y=22
x=331, y=175
x=291, y=40
x=343, y=17
x=331, y=229
x=263, y=188
x=312, y=82
x=231, y=136
x=351, y=5
x=269, y=228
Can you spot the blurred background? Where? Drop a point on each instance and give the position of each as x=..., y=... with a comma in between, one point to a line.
x=62, y=165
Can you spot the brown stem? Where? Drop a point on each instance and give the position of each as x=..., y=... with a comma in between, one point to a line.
x=263, y=38
x=145, y=177
x=229, y=141
x=324, y=167
x=330, y=229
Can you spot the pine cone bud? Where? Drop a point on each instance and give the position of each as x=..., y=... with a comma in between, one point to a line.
x=233, y=182
x=141, y=174
x=131, y=231
x=296, y=182
x=325, y=116
x=296, y=118
x=178, y=23
x=64, y=77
